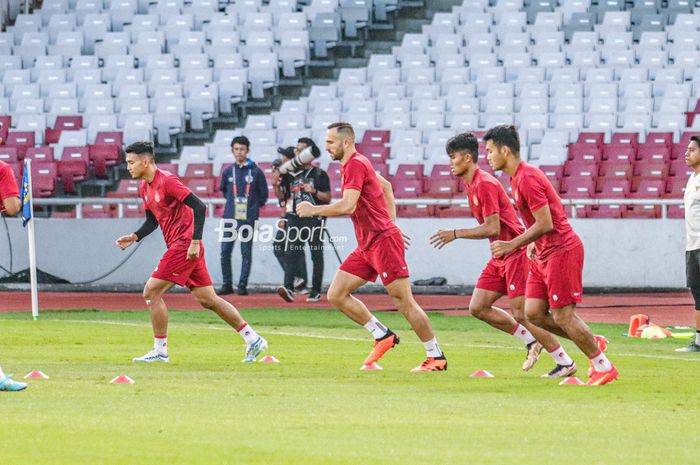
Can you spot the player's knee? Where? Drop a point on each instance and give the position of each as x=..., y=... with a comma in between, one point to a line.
x=207, y=301
x=534, y=316
x=477, y=310
x=150, y=295
x=336, y=296
x=561, y=318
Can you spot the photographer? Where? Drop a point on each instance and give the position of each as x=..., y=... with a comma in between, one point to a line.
x=303, y=182
x=279, y=246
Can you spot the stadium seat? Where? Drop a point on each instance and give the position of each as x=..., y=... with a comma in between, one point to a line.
x=73, y=167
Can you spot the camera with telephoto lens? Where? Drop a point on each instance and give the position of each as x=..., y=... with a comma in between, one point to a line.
x=297, y=163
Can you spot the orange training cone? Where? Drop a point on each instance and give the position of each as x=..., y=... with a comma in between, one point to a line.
x=572, y=380
x=268, y=359
x=371, y=367
x=122, y=379
x=481, y=374
x=635, y=322
x=36, y=375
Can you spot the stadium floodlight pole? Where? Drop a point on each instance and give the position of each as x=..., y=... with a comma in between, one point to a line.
x=30, y=240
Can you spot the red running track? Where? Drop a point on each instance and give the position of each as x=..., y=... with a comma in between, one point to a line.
x=674, y=308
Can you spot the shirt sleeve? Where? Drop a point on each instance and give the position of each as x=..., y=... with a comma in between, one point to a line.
x=224, y=181
x=533, y=192
x=262, y=187
x=173, y=187
x=488, y=198
x=323, y=183
x=354, y=175
x=8, y=183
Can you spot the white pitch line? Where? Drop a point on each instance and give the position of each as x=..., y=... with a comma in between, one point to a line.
x=357, y=339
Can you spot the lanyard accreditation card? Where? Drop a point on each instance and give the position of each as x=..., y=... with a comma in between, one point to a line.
x=241, y=201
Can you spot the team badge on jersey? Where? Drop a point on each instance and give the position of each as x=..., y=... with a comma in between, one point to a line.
x=157, y=197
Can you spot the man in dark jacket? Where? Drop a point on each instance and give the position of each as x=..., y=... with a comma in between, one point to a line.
x=245, y=188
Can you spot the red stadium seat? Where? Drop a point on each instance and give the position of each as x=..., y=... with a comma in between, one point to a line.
x=73, y=167
x=685, y=137
x=415, y=211
x=553, y=171
x=407, y=188
x=374, y=152
x=604, y=211
x=624, y=152
x=126, y=188
x=381, y=169
x=9, y=154
x=22, y=140
x=675, y=211
x=199, y=170
x=44, y=179
x=653, y=152
x=648, y=188
x=65, y=215
x=678, y=167
x=103, y=157
x=580, y=168
x=625, y=138
x=642, y=211
x=441, y=188
x=578, y=211
x=613, y=188
x=412, y=171
x=201, y=187
x=690, y=115
x=616, y=169
x=169, y=167
x=5, y=125
x=453, y=211
x=135, y=210
x=659, y=138
x=575, y=187
x=585, y=153
x=675, y=187
x=109, y=138
x=40, y=154
x=595, y=138
x=678, y=151
x=96, y=210
x=63, y=123
x=375, y=137
x=651, y=169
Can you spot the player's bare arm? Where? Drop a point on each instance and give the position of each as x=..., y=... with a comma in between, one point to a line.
x=388, y=191
x=490, y=228
x=12, y=206
x=543, y=224
x=345, y=206
x=125, y=241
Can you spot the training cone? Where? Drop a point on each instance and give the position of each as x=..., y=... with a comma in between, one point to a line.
x=36, y=375
x=481, y=374
x=572, y=380
x=122, y=379
x=371, y=367
x=268, y=359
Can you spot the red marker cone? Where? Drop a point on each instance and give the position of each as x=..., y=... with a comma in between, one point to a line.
x=268, y=359
x=371, y=367
x=481, y=374
x=122, y=379
x=36, y=375
x=572, y=380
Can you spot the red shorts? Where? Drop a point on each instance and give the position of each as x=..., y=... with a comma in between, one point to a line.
x=384, y=258
x=506, y=277
x=176, y=268
x=559, y=279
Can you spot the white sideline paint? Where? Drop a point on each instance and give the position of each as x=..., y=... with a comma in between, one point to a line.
x=357, y=339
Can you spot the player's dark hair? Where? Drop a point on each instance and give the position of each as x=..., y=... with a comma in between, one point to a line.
x=464, y=142
x=143, y=148
x=695, y=139
x=344, y=129
x=242, y=140
x=504, y=135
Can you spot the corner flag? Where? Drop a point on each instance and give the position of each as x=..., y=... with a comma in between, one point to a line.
x=26, y=194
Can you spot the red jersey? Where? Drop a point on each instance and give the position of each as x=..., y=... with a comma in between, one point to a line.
x=8, y=184
x=164, y=197
x=532, y=191
x=371, y=217
x=487, y=196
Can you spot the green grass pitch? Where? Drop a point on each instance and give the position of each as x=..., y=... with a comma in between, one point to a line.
x=317, y=407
